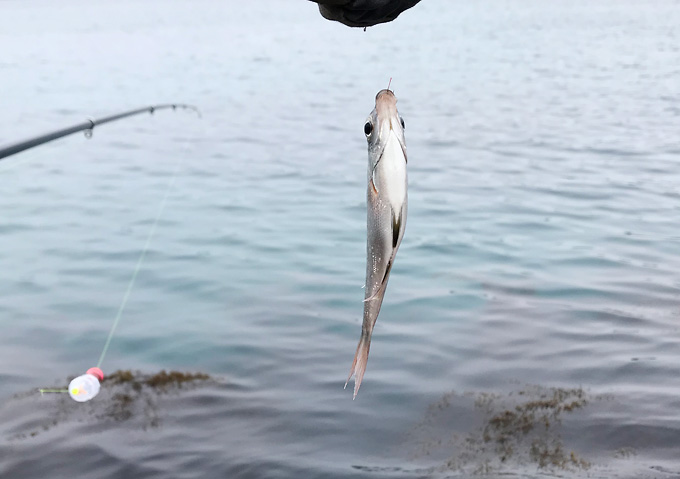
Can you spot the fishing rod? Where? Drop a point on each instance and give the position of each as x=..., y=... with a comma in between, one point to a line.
x=86, y=126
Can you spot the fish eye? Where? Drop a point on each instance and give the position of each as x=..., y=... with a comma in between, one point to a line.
x=403, y=126
x=368, y=128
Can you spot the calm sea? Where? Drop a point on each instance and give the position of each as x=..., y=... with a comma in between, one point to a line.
x=531, y=326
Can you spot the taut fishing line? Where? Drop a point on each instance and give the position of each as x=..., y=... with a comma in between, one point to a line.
x=140, y=261
x=85, y=387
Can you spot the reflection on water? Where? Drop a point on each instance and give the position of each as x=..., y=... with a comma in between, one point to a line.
x=125, y=395
x=515, y=429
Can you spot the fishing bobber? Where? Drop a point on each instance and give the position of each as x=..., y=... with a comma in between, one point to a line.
x=85, y=387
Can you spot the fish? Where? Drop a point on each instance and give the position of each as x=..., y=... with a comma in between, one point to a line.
x=387, y=205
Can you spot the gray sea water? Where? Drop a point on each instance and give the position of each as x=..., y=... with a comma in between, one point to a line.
x=531, y=326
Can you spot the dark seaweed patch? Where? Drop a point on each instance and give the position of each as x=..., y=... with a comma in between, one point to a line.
x=125, y=396
x=520, y=428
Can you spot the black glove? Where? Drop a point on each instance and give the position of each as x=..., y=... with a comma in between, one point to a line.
x=363, y=13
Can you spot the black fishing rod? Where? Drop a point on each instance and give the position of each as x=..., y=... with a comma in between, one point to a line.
x=87, y=127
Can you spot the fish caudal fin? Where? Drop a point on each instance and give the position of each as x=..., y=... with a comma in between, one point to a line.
x=359, y=365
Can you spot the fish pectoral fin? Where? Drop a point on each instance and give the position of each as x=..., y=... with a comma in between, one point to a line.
x=372, y=183
x=396, y=228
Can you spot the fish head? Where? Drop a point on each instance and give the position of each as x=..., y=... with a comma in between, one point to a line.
x=384, y=124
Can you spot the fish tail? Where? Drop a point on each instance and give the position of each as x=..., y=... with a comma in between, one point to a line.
x=359, y=365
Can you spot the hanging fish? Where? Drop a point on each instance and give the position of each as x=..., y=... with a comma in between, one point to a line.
x=387, y=204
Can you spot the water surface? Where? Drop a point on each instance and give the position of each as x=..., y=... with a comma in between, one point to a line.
x=534, y=308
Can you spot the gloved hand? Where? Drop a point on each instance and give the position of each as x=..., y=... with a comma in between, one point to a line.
x=363, y=13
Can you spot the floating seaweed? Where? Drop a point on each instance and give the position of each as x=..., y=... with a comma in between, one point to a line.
x=126, y=396
x=160, y=382
x=519, y=428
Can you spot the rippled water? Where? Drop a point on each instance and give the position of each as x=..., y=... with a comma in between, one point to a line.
x=531, y=324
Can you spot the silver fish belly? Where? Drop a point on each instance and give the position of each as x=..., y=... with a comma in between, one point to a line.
x=387, y=201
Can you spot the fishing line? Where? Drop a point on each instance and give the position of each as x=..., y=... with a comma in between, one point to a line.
x=140, y=261
x=85, y=387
